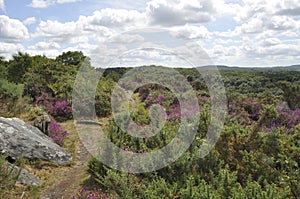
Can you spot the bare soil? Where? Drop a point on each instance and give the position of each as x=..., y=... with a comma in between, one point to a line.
x=71, y=180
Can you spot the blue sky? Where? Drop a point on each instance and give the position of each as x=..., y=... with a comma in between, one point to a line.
x=228, y=32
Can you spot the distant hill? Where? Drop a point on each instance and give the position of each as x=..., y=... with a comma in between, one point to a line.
x=275, y=68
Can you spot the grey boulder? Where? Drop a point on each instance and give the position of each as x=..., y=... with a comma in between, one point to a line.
x=22, y=175
x=19, y=139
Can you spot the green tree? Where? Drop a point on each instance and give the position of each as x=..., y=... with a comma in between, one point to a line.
x=18, y=66
x=291, y=93
x=50, y=77
x=75, y=58
x=3, y=68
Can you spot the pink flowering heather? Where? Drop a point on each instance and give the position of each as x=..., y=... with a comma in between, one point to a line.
x=286, y=118
x=175, y=112
x=245, y=110
x=55, y=107
x=57, y=133
x=60, y=108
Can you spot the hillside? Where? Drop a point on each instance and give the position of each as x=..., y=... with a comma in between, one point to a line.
x=256, y=154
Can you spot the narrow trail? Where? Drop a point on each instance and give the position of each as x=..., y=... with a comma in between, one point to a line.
x=71, y=179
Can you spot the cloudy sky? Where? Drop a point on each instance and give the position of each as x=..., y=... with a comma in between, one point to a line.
x=229, y=32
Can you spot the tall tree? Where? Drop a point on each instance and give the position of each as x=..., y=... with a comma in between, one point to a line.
x=3, y=68
x=50, y=77
x=72, y=58
x=18, y=66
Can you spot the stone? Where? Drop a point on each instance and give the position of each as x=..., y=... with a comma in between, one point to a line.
x=19, y=139
x=24, y=177
x=43, y=122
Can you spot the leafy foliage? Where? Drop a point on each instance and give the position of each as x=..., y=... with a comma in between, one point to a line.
x=10, y=91
x=255, y=157
x=85, y=194
x=257, y=154
x=56, y=107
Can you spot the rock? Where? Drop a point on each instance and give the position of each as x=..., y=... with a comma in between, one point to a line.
x=24, y=177
x=19, y=139
x=43, y=122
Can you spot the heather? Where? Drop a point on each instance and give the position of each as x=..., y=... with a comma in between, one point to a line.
x=57, y=133
x=256, y=155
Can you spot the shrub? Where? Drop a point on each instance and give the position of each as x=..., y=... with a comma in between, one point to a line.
x=286, y=118
x=57, y=133
x=10, y=90
x=8, y=176
x=85, y=194
x=245, y=110
x=58, y=108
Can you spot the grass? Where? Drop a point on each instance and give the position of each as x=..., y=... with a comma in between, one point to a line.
x=49, y=173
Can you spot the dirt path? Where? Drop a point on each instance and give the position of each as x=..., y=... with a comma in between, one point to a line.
x=72, y=179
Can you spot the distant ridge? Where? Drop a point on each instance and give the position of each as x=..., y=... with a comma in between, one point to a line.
x=273, y=68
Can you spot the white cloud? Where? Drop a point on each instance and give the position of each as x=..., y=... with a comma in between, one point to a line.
x=271, y=42
x=45, y=46
x=253, y=26
x=97, y=27
x=224, y=8
x=47, y=3
x=12, y=30
x=2, y=5
x=115, y=18
x=281, y=23
x=71, y=32
x=41, y=3
x=288, y=7
x=227, y=55
x=191, y=32
x=9, y=48
x=29, y=21
x=232, y=31
x=180, y=12
x=49, y=49
x=127, y=38
x=67, y=1
x=280, y=50
x=103, y=55
x=266, y=25
x=251, y=8
x=56, y=30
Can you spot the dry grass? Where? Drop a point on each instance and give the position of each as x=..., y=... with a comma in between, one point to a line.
x=53, y=175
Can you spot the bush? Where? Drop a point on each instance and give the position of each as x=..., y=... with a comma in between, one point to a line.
x=57, y=133
x=8, y=176
x=59, y=108
x=10, y=90
x=85, y=194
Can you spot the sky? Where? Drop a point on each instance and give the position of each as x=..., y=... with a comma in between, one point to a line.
x=166, y=32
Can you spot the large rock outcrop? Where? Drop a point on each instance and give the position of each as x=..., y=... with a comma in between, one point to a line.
x=19, y=139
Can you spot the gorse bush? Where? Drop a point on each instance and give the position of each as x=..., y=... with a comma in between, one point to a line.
x=85, y=194
x=10, y=91
x=255, y=156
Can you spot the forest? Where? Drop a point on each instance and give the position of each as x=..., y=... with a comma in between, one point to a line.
x=256, y=155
